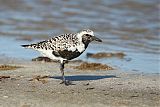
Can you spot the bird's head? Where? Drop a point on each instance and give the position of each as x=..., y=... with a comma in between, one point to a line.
x=88, y=36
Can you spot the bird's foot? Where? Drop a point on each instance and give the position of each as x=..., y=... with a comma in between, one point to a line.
x=66, y=82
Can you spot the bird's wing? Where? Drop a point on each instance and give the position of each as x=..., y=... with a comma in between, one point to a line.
x=63, y=42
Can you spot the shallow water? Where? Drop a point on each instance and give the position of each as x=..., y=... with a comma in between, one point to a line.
x=129, y=26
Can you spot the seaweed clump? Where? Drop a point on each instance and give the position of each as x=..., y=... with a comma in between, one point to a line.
x=8, y=67
x=93, y=66
x=105, y=55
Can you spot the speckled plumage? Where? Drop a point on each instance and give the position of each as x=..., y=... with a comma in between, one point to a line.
x=54, y=47
x=65, y=46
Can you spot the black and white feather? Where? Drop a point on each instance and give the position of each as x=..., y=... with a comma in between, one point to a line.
x=65, y=46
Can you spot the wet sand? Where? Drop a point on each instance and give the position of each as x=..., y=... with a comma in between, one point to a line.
x=36, y=84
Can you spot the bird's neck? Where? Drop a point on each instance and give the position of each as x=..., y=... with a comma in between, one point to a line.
x=79, y=36
x=82, y=40
x=86, y=43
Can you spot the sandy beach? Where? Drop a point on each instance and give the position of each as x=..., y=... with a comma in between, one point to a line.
x=37, y=84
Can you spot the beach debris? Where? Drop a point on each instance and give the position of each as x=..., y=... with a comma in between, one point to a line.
x=86, y=84
x=93, y=66
x=154, y=93
x=111, y=88
x=3, y=77
x=8, y=67
x=134, y=96
x=45, y=59
x=105, y=55
x=119, y=84
x=40, y=78
x=90, y=88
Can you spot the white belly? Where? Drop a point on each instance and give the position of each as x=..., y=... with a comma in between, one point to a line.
x=49, y=54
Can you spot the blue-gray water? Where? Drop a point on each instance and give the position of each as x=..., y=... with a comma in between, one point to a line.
x=129, y=26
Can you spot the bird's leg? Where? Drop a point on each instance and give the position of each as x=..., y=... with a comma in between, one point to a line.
x=64, y=81
x=62, y=71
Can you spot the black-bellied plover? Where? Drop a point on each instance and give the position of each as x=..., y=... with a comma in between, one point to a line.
x=65, y=47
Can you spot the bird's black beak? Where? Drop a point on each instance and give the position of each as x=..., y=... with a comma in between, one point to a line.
x=96, y=39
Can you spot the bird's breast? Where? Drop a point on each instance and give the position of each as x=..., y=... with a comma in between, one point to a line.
x=81, y=47
x=66, y=54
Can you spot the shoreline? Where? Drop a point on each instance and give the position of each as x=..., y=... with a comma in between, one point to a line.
x=91, y=87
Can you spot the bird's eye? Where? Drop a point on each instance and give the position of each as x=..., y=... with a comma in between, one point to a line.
x=88, y=35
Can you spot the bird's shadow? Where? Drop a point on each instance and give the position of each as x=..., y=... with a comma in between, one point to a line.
x=85, y=77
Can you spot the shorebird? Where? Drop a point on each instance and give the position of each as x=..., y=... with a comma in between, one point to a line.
x=65, y=47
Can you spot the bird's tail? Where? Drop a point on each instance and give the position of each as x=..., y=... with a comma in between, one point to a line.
x=31, y=46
